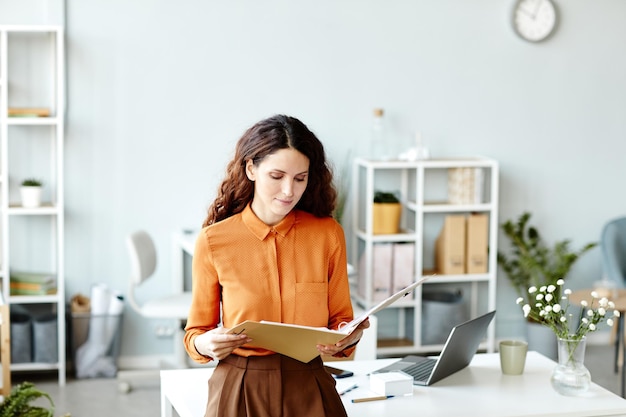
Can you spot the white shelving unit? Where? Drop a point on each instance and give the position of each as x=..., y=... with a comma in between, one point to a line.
x=423, y=190
x=32, y=75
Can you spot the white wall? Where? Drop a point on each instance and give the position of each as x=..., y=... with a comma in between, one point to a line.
x=160, y=90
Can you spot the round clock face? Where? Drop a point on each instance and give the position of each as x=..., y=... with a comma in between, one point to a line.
x=534, y=20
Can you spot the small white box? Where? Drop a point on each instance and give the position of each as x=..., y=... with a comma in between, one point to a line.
x=391, y=383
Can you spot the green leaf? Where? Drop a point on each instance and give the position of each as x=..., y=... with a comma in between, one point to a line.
x=385, y=197
x=17, y=404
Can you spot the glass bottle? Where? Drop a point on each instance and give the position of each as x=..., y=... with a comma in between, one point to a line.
x=379, y=149
x=417, y=151
x=421, y=151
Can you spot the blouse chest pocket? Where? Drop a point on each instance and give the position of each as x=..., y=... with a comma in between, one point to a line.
x=312, y=303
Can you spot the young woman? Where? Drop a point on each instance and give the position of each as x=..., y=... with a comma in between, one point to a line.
x=270, y=250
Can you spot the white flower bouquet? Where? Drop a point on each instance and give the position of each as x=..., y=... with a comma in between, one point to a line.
x=550, y=306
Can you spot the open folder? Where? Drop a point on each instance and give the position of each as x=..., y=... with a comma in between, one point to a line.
x=299, y=342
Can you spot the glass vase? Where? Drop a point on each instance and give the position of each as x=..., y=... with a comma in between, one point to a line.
x=570, y=377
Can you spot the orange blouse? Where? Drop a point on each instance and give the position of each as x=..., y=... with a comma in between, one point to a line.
x=293, y=272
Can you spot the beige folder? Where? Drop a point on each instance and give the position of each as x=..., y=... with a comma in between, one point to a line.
x=477, y=243
x=450, y=245
x=299, y=342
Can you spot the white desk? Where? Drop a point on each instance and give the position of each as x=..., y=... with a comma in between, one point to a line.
x=479, y=390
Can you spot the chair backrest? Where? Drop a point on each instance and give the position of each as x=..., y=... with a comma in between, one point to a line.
x=143, y=260
x=143, y=256
x=613, y=247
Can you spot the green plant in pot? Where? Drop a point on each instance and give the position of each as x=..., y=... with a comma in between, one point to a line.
x=531, y=262
x=18, y=403
x=386, y=213
x=30, y=192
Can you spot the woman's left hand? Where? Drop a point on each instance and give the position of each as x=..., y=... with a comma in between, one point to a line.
x=352, y=339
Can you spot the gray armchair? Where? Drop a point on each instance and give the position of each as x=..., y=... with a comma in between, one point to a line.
x=613, y=247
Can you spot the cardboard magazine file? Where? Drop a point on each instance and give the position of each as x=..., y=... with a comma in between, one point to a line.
x=450, y=246
x=299, y=342
x=477, y=243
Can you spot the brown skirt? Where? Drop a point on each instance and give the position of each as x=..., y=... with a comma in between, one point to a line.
x=272, y=386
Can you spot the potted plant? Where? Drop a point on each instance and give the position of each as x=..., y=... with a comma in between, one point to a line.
x=386, y=213
x=531, y=263
x=30, y=191
x=18, y=402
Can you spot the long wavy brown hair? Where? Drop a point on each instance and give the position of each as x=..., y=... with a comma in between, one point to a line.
x=265, y=138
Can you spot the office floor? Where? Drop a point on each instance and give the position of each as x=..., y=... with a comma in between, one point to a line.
x=100, y=397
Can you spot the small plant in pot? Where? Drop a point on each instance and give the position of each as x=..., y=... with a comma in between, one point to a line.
x=30, y=191
x=386, y=213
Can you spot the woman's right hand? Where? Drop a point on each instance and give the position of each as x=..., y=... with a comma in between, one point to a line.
x=218, y=344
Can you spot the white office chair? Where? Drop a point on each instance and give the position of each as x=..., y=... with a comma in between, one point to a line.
x=143, y=258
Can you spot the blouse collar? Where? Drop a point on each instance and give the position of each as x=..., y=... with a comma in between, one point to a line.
x=261, y=230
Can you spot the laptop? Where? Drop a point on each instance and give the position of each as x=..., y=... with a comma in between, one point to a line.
x=457, y=353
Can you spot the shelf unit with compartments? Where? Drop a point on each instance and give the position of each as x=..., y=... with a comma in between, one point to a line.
x=32, y=126
x=423, y=188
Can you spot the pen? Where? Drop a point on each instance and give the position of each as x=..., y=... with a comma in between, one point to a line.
x=350, y=388
x=362, y=400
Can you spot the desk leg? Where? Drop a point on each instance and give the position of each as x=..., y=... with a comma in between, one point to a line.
x=178, y=282
x=178, y=264
x=620, y=338
x=617, y=343
x=166, y=405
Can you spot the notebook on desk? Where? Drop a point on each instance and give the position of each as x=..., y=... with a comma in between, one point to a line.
x=457, y=353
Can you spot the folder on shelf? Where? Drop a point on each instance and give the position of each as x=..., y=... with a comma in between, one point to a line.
x=299, y=342
x=403, y=265
x=450, y=246
x=477, y=243
x=382, y=263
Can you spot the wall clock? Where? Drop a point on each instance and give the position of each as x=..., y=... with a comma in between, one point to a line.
x=534, y=20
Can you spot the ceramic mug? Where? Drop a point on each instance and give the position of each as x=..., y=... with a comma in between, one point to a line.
x=513, y=356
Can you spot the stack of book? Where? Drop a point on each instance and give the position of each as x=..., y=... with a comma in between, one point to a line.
x=29, y=112
x=466, y=185
x=32, y=283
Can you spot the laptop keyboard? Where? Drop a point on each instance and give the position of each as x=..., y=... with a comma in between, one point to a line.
x=420, y=371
